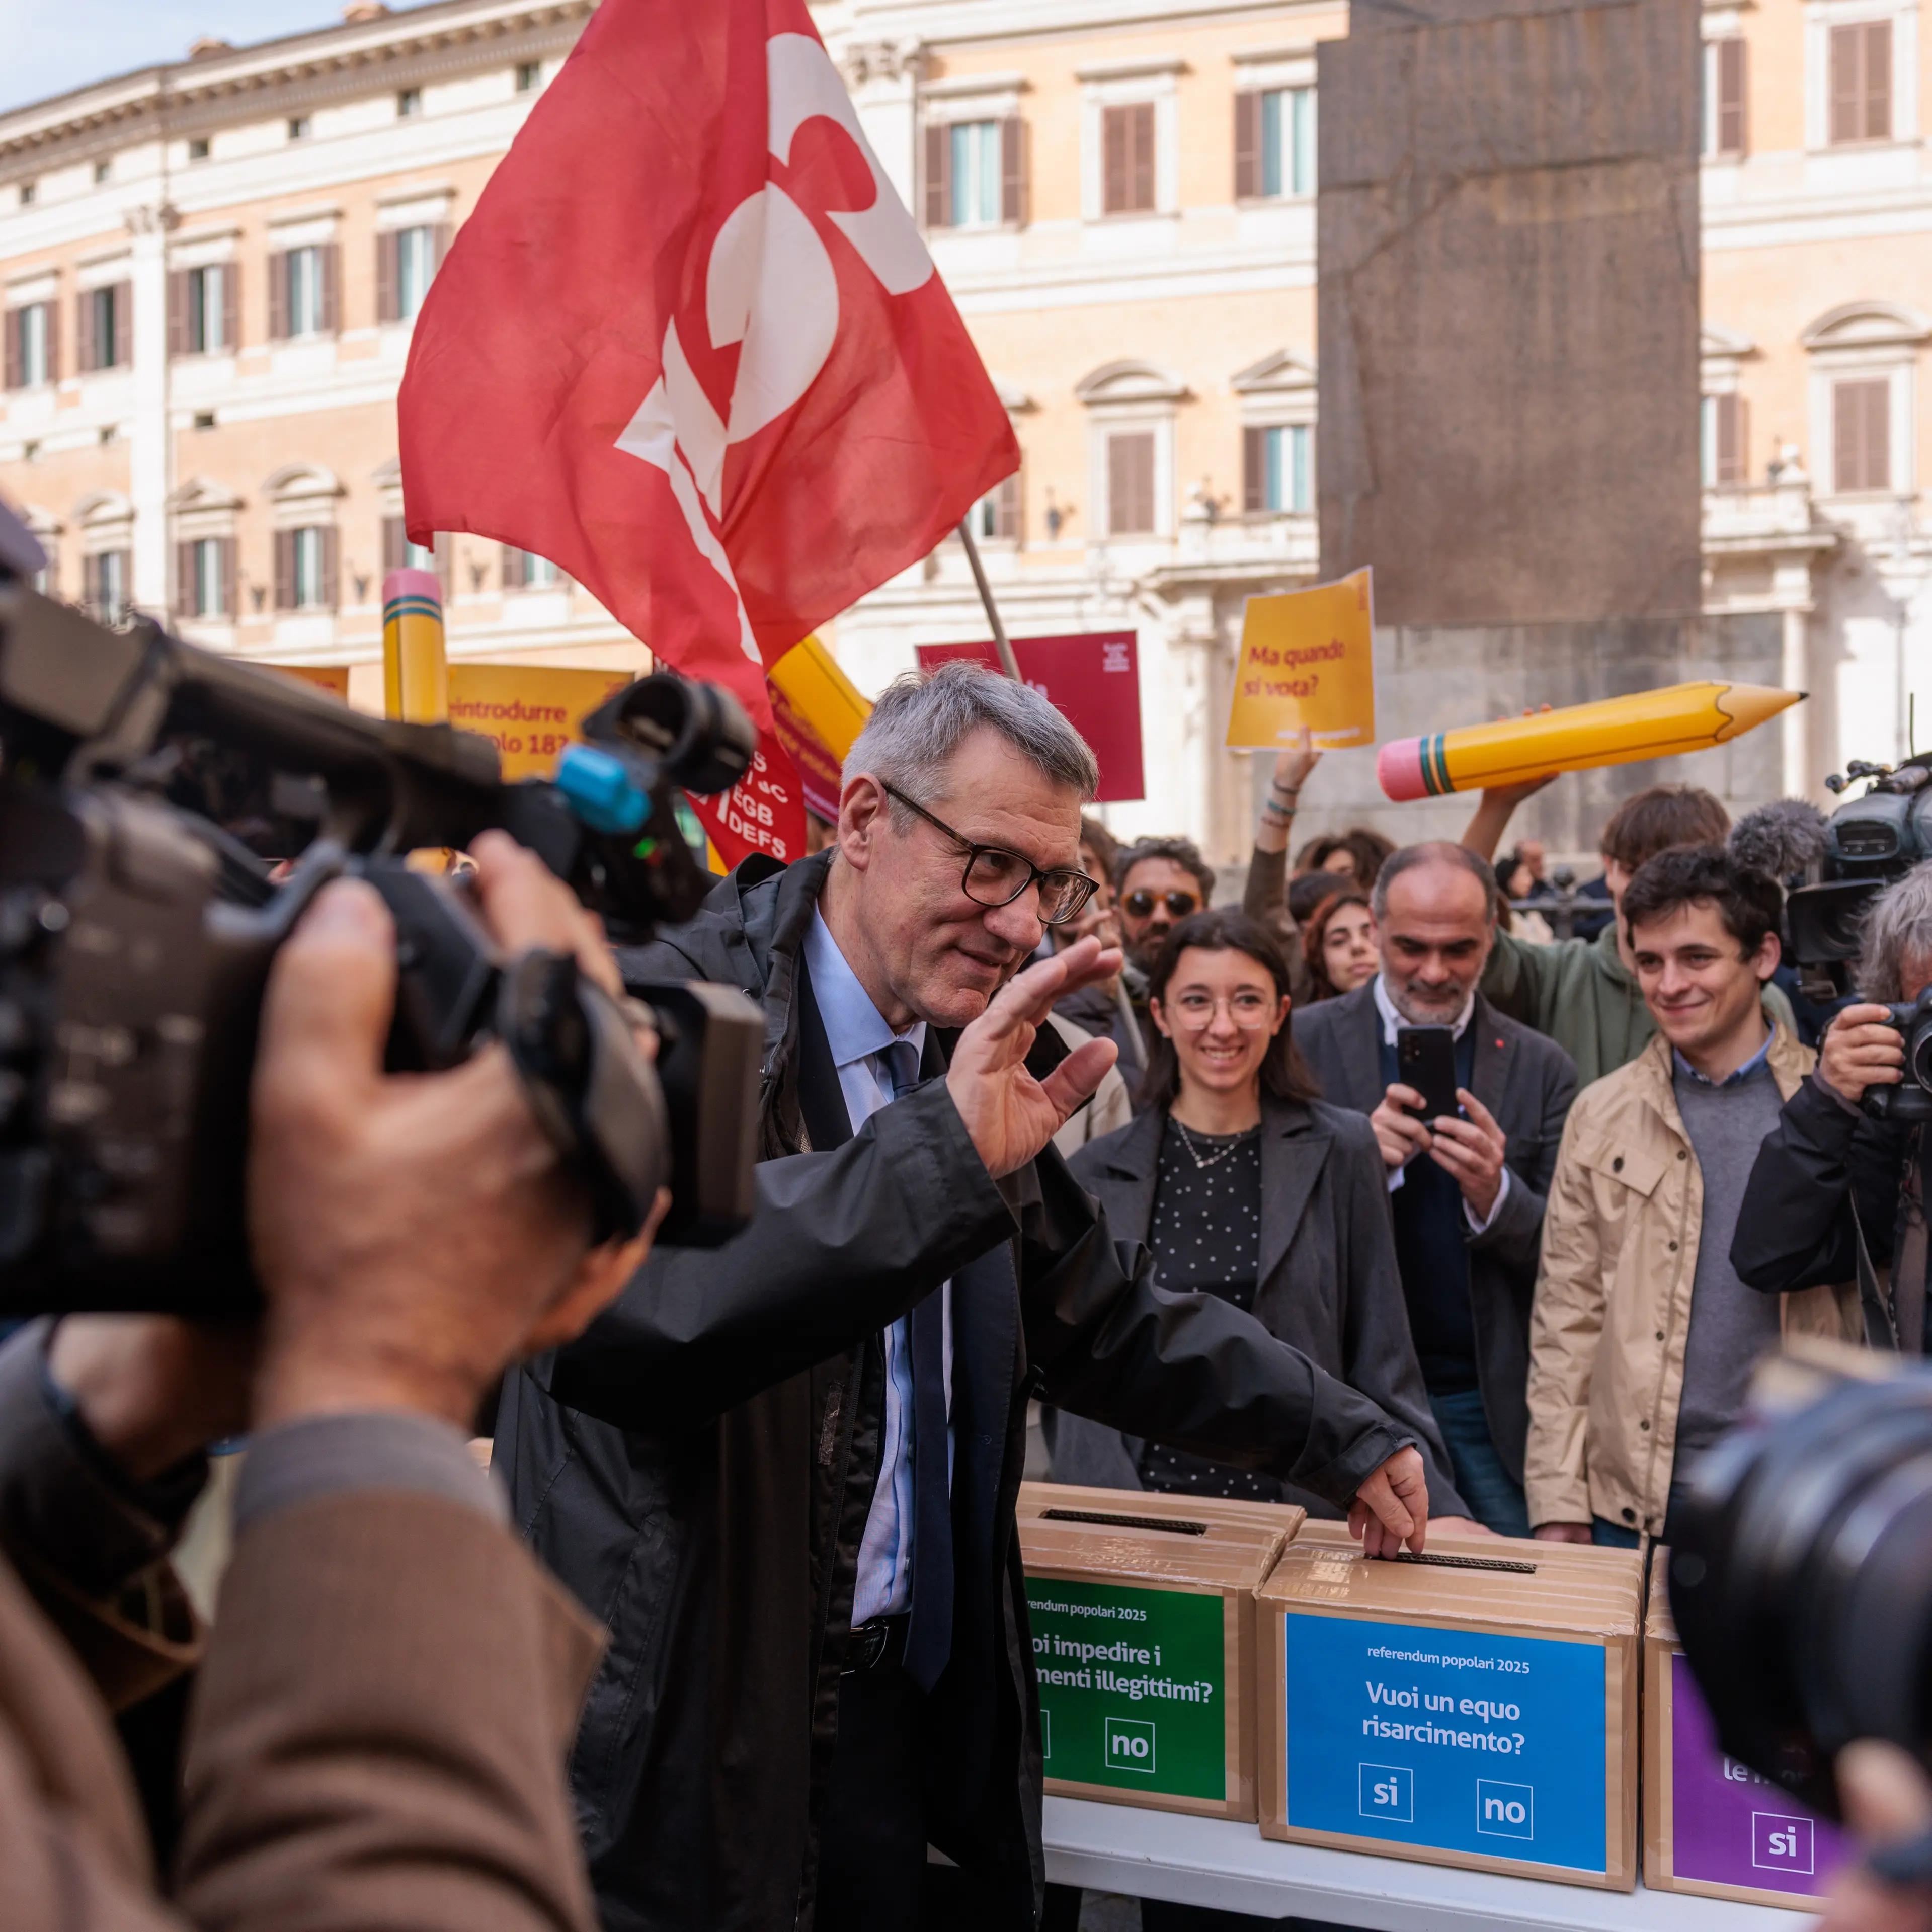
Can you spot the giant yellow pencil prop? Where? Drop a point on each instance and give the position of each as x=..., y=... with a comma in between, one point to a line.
x=1613, y=731
x=416, y=669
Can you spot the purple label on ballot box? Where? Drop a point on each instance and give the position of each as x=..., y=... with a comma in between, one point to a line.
x=1730, y=1826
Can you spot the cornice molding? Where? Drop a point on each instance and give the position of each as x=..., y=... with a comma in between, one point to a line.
x=193, y=96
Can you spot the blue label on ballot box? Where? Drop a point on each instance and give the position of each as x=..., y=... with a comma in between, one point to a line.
x=1457, y=1739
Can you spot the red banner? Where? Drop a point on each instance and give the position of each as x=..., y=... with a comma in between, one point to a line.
x=1093, y=681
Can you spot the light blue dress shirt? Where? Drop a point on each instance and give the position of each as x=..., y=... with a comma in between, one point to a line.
x=862, y=1043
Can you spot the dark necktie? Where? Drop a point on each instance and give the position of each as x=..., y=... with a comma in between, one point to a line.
x=929, y=1633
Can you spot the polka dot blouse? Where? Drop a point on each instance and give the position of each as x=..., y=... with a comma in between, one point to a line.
x=1205, y=1238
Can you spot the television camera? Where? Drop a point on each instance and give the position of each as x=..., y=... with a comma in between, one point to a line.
x=165, y=816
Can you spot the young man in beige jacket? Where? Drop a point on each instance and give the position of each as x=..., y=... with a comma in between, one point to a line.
x=1642, y=1339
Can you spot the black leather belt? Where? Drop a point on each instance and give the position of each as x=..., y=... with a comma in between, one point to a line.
x=878, y=1643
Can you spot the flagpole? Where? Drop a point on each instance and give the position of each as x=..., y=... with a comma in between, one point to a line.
x=1008, y=662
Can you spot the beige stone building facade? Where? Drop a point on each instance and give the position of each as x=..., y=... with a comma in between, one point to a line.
x=207, y=273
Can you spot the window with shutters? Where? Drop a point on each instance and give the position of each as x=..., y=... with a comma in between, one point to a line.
x=975, y=173
x=1277, y=469
x=105, y=318
x=995, y=517
x=1724, y=102
x=399, y=553
x=29, y=344
x=1726, y=457
x=1130, y=483
x=104, y=580
x=1274, y=143
x=1127, y=159
x=305, y=571
x=1861, y=82
x=302, y=268
x=1861, y=435
x=207, y=309
x=415, y=265
x=524, y=570
x=205, y=577
x=530, y=74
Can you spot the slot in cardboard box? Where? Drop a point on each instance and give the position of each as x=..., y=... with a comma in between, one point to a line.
x=1118, y=1509
x=1144, y=1649
x=1711, y=1825
x=1477, y=1707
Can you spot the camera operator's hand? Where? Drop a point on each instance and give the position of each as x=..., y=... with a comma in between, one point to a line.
x=1392, y=1508
x=153, y=1389
x=1009, y=1114
x=1861, y=1050
x=1887, y=1800
x=414, y=1233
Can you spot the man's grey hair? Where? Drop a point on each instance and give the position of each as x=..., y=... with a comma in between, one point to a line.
x=1897, y=927
x=922, y=718
x=1434, y=852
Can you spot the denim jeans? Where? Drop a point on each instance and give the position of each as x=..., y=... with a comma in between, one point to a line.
x=1495, y=1502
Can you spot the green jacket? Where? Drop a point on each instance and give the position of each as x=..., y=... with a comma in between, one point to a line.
x=1581, y=994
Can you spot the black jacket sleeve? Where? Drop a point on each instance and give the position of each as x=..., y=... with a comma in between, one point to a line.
x=1795, y=1228
x=1191, y=1370
x=842, y=1244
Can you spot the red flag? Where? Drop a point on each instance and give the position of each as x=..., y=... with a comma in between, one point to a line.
x=691, y=348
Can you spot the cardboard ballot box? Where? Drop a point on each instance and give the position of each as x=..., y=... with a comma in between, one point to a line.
x=1114, y=1509
x=1710, y=1824
x=1144, y=1649
x=1477, y=1706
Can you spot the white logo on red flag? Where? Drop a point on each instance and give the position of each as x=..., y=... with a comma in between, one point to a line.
x=772, y=288
x=690, y=347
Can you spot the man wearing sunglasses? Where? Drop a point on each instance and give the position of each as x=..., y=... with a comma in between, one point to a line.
x=783, y=1472
x=1160, y=882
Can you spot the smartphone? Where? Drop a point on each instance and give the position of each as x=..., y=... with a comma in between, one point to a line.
x=1425, y=1059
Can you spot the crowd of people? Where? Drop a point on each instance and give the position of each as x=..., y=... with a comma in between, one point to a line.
x=1039, y=1122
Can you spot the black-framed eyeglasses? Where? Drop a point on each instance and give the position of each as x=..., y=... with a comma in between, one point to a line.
x=994, y=877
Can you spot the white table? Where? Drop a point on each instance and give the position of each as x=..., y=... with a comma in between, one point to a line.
x=1211, y=1862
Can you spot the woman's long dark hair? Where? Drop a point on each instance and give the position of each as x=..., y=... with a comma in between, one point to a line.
x=1315, y=937
x=1285, y=1074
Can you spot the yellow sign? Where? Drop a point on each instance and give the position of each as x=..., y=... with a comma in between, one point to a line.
x=333, y=679
x=529, y=712
x=1307, y=664
x=826, y=702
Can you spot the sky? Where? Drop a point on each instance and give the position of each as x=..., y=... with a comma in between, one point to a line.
x=53, y=45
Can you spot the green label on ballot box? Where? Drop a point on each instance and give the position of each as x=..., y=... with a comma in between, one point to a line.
x=1133, y=1686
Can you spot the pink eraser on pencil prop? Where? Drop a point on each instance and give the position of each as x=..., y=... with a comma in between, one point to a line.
x=413, y=583
x=1399, y=769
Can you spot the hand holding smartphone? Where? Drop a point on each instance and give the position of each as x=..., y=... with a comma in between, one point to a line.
x=1425, y=1058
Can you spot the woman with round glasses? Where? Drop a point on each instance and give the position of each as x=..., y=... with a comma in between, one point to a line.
x=1243, y=1184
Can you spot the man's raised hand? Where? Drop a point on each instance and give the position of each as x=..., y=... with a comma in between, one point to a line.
x=1009, y=1114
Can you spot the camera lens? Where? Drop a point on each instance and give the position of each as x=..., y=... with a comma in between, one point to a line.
x=1919, y=1053
x=1801, y=1582
x=698, y=732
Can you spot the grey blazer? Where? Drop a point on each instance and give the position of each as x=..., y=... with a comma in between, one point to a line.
x=1527, y=1082
x=1328, y=1284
